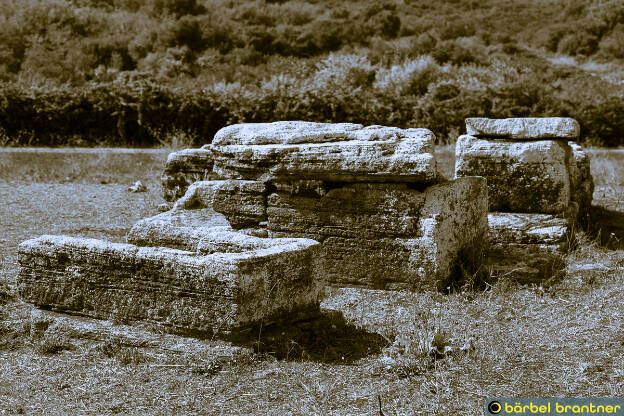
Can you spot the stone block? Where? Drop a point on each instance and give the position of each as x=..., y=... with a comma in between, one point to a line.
x=528, y=248
x=522, y=228
x=327, y=152
x=184, y=168
x=582, y=183
x=385, y=236
x=215, y=294
x=243, y=203
x=522, y=176
x=178, y=228
x=532, y=128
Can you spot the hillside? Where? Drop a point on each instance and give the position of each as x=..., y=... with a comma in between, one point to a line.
x=87, y=72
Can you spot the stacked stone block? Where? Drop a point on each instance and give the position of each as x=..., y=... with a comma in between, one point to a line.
x=539, y=188
x=372, y=196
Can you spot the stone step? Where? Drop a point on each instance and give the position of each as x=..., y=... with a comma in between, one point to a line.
x=183, y=168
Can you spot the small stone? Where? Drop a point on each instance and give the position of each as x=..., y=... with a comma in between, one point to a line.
x=138, y=187
x=164, y=207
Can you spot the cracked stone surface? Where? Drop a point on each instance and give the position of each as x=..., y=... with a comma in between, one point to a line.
x=323, y=151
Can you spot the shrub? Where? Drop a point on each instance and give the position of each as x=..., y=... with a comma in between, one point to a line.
x=187, y=32
x=612, y=45
x=452, y=52
x=579, y=43
x=410, y=78
x=177, y=8
x=445, y=107
x=423, y=44
x=457, y=29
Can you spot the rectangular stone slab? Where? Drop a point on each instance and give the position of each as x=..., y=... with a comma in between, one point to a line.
x=530, y=176
x=214, y=294
x=385, y=236
x=523, y=228
x=530, y=128
x=323, y=151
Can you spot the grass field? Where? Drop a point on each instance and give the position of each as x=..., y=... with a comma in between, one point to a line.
x=561, y=339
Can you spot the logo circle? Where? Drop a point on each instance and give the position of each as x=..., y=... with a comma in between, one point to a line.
x=494, y=407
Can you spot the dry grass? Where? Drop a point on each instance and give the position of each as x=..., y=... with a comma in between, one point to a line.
x=86, y=166
x=566, y=339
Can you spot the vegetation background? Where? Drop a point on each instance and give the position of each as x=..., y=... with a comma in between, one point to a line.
x=137, y=73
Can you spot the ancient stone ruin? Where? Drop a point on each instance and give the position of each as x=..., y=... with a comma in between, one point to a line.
x=539, y=190
x=268, y=214
x=371, y=195
x=264, y=217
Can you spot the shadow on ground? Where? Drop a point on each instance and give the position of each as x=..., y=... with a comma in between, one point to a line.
x=607, y=227
x=328, y=338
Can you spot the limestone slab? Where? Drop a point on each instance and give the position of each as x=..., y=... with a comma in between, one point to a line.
x=213, y=294
x=523, y=228
x=524, y=128
x=530, y=176
x=323, y=151
x=385, y=236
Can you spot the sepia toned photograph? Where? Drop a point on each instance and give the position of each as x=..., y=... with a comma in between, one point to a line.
x=311, y=207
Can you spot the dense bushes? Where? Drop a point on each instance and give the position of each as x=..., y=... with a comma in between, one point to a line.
x=416, y=93
x=110, y=114
x=126, y=71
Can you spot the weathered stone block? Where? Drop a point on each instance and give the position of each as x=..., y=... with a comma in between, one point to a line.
x=522, y=228
x=178, y=228
x=183, y=168
x=532, y=177
x=327, y=152
x=582, y=183
x=213, y=294
x=348, y=210
x=243, y=203
x=528, y=248
x=385, y=235
x=524, y=128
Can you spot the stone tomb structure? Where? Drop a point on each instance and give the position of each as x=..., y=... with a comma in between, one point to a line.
x=372, y=196
x=539, y=188
x=264, y=217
